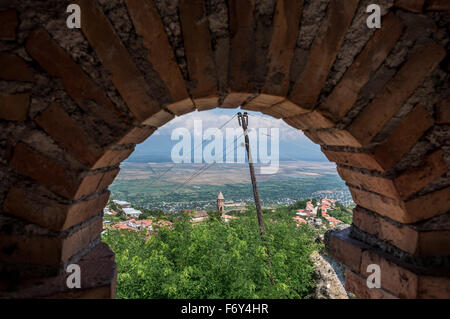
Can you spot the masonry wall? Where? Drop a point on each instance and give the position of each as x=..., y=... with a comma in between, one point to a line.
x=75, y=102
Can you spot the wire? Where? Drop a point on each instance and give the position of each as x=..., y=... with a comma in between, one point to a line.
x=174, y=164
x=203, y=169
x=300, y=146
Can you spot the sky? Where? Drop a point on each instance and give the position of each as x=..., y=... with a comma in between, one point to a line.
x=293, y=144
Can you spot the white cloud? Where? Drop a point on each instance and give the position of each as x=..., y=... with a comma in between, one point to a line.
x=214, y=119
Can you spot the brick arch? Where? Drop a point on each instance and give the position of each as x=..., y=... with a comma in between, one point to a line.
x=74, y=104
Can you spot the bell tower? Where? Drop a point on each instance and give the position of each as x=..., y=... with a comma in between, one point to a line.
x=220, y=203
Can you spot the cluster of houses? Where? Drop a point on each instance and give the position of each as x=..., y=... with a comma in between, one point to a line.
x=197, y=216
x=202, y=215
x=310, y=211
x=149, y=224
x=131, y=223
x=145, y=224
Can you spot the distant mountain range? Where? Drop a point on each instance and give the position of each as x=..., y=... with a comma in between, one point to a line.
x=158, y=148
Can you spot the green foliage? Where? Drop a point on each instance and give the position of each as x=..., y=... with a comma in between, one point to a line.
x=144, y=192
x=147, y=213
x=215, y=260
x=214, y=214
x=301, y=204
x=115, y=207
x=342, y=213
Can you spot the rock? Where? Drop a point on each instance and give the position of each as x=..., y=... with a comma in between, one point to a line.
x=330, y=283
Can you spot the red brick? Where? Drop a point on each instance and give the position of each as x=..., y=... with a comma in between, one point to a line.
x=336, y=137
x=323, y=53
x=8, y=25
x=234, y=100
x=14, y=107
x=137, y=135
x=14, y=68
x=385, y=206
x=434, y=243
x=406, y=184
x=58, y=124
x=313, y=137
x=208, y=103
x=403, y=137
x=272, y=112
x=95, y=182
x=77, y=84
x=286, y=23
x=443, y=112
x=199, y=55
x=345, y=94
x=241, y=21
x=262, y=101
x=375, y=116
x=287, y=108
x=372, y=183
x=345, y=249
x=183, y=107
x=431, y=287
x=160, y=118
x=408, y=282
x=414, y=179
x=80, y=239
x=410, y=5
x=112, y=158
x=55, y=177
x=357, y=285
x=50, y=213
x=397, y=280
x=309, y=120
x=148, y=24
x=413, y=239
x=97, y=280
x=420, y=208
x=428, y=205
x=42, y=250
x=360, y=160
x=437, y=5
x=115, y=58
x=402, y=236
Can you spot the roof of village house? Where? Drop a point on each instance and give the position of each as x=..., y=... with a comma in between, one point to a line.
x=229, y=217
x=201, y=213
x=131, y=211
x=299, y=220
x=121, y=202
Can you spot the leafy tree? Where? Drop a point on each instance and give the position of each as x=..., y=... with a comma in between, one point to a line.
x=341, y=213
x=214, y=260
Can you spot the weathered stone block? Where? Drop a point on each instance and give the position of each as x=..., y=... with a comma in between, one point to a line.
x=8, y=25
x=14, y=107
x=14, y=68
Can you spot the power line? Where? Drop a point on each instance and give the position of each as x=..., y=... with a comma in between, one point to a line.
x=200, y=145
x=203, y=169
x=267, y=121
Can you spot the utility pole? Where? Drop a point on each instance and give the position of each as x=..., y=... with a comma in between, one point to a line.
x=243, y=121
